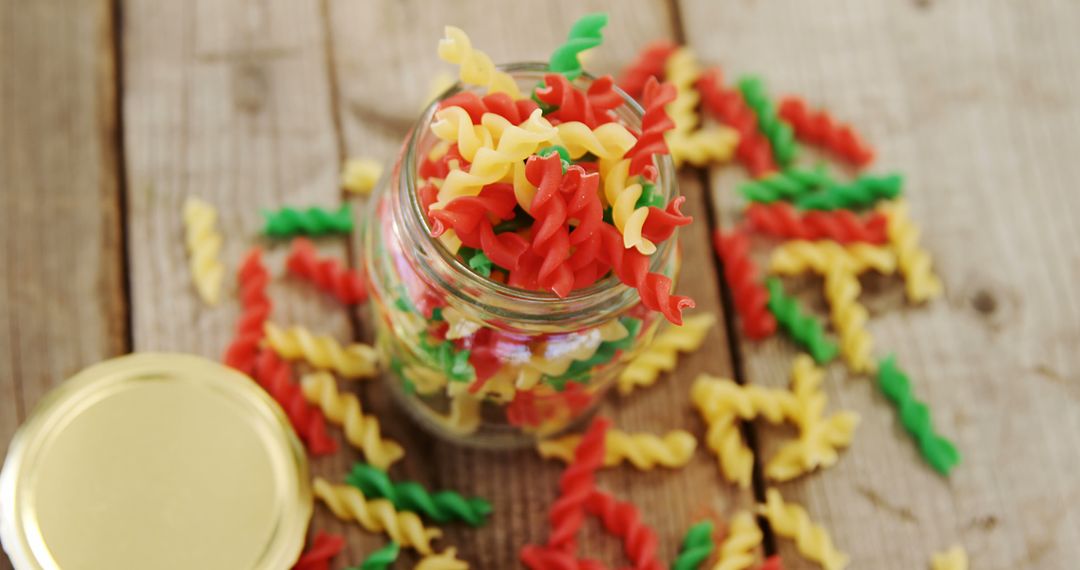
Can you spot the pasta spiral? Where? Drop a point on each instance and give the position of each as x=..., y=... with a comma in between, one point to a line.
x=696, y=547
x=803, y=328
x=920, y=283
x=623, y=519
x=799, y=256
x=685, y=142
x=475, y=67
x=649, y=63
x=360, y=175
x=642, y=450
x=344, y=409
x=859, y=193
x=955, y=558
x=788, y=184
x=780, y=135
x=322, y=351
x=288, y=222
x=609, y=141
x=729, y=106
x=623, y=196
x=661, y=354
x=576, y=484
x=655, y=124
x=349, y=504
x=382, y=558
x=493, y=162
x=737, y=552
x=791, y=520
x=204, y=249
x=441, y=506
x=328, y=274
x=445, y=560
x=843, y=226
x=747, y=292
x=323, y=548
x=939, y=452
x=849, y=318
x=276, y=377
x=821, y=129
x=253, y=278
x=585, y=34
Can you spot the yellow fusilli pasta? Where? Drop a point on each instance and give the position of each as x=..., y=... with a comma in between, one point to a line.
x=378, y=515
x=622, y=196
x=738, y=551
x=425, y=379
x=849, y=318
x=698, y=147
x=204, y=248
x=445, y=560
x=955, y=558
x=920, y=283
x=322, y=351
x=360, y=175
x=343, y=409
x=494, y=161
x=464, y=415
x=819, y=438
x=642, y=450
x=799, y=256
x=476, y=68
x=454, y=125
x=609, y=141
x=661, y=354
x=791, y=521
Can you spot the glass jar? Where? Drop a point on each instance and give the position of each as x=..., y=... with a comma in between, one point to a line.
x=477, y=361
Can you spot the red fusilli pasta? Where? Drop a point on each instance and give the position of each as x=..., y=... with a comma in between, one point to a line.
x=253, y=278
x=782, y=220
x=324, y=547
x=747, y=291
x=328, y=274
x=275, y=376
x=550, y=239
x=632, y=268
x=576, y=485
x=655, y=123
x=623, y=520
x=592, y=107
x=819, y=128
x=469, y=217
x=729, y=106
x=649, y=63
x=501, y=104
x=660, y=224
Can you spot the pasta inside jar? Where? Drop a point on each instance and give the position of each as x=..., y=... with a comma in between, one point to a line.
x=487, y=342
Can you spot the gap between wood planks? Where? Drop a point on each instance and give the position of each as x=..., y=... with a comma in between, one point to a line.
x=730, y=317
x=113, y=117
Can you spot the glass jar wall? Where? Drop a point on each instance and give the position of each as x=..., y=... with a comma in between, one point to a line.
x=471, y=358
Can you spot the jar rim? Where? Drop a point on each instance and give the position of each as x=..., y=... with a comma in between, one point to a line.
x=528, y=306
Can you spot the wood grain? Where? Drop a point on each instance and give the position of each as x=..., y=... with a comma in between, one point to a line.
x=977, y=105
x=61, y=295
x=383, y=60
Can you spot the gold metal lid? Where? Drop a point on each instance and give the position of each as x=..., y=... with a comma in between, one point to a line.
x=155, y=461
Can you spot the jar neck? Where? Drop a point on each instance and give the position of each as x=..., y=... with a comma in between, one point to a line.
x=489, y=301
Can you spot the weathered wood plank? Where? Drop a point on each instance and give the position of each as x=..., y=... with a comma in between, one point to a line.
x=383, y=60
x=62, y=295
x=229, y=102
x=62, y=303
x=977, y=104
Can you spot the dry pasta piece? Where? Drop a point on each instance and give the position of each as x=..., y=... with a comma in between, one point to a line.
x=791, y=521
x=819, y=437
x=849, y=318
x=360, y=175
x=955, y=558
x=661, y=354
x=475, y=67
x=609, y=141
x=642, y=450
x=344, y=409
x=622, y=196
x=685, y=142
x=378, y=515
x=322, y=351
x=204, y=248
x=464, y=415
x=920, y=282
x=738, y=551
x=799, y=256
x=445, y=560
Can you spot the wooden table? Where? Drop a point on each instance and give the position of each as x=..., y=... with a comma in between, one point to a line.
x=111, y=113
